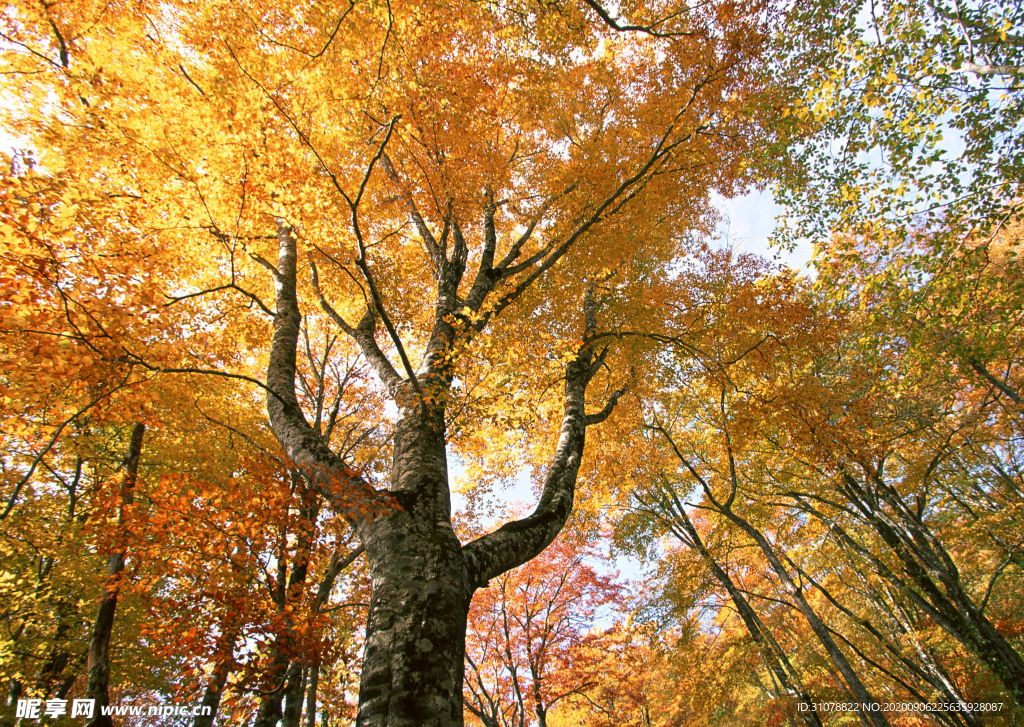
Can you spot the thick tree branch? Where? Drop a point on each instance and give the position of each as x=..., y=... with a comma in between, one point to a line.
x=517, y=542
x=363, y=335
x=983, y=371
x=646, y=29
x=334, y=568
x=551, y=254
x=172, y=299
x=605, y=412
x=344, y=488
x=437, y=258
x=503, y=268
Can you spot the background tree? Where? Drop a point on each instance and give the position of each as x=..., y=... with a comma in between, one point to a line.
x=528, y=631
x=841, y=438
x=916, y=109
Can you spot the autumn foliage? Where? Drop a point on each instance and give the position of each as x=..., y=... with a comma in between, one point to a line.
x=296, y=299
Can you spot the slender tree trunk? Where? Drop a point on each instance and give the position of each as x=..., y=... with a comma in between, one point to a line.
x=65, y=686
x=312, y=684
x=775, y=657
x=857, y=689
x=99, y=645
x=926, y=671
x=211, y=697
x=939, y=678
x=14, y=692
x=274, y=681
x=542, y=714
x=223, y=662
x=285, y=672
x=337, y=564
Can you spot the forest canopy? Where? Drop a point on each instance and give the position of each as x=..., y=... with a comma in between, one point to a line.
x=385, y=363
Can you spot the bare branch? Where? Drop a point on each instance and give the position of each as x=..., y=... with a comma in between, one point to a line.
x=646, y=29
x=172, y=299
x=437, y=259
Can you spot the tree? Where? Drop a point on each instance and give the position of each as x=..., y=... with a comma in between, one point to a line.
x=98, y=662
x=213, y=510
x=821, y=425
x=916, y=113
x=907, y=148
x=668, y=509
x=528, y=631
x=621, y=679
x=435, y=186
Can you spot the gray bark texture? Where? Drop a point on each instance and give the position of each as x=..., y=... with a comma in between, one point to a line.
x=422, y=576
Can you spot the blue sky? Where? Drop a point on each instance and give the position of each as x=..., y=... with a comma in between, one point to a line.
x=747, y=223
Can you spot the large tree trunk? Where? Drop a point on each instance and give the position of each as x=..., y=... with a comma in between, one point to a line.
x=419, y=600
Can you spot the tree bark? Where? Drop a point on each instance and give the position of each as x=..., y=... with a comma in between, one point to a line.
x=293, y=691
x=98, y=662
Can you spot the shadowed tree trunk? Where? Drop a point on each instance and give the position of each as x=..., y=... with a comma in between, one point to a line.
x=312, y=684
x=99, y=645
x=928, y=564
x=294, y=687
x=223, y=664
x=285, y=667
